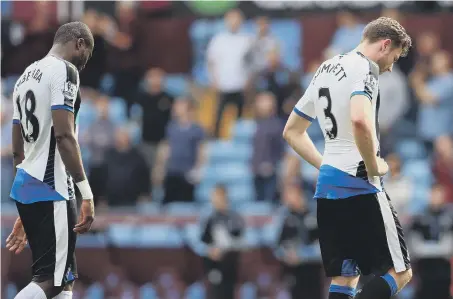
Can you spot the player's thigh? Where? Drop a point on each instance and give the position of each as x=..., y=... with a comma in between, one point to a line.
x=335, y=237
x=380, y=244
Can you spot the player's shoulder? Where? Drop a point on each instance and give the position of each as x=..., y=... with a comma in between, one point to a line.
x=64, y=68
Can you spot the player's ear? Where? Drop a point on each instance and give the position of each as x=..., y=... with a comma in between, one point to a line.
x=386, y=44
x=80, y=43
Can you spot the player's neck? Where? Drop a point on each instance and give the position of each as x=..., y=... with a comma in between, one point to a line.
x=368, y=51
x=59, y=52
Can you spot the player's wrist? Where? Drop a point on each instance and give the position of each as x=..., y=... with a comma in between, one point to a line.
x=85, y=190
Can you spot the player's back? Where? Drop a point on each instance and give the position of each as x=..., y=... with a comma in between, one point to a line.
x=342, y=173
x=46, y=85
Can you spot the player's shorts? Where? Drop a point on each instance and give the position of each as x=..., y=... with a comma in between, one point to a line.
x=361, y=235
x=49, y=227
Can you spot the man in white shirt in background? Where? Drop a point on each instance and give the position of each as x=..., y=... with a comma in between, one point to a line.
x=227, y=65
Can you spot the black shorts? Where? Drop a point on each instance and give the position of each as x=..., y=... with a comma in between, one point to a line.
x=361, y=235
x=49, y=228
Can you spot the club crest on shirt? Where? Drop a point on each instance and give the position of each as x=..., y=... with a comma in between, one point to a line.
x=70, y=92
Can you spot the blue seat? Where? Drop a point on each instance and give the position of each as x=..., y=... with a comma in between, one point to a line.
x=92, y=241
x=159, y=236
x=254, y=208
x=252, y=237
x=229, y=173
x=269, y=234
x=248, y=291
x=419, y=171
x=11, y=291
x=118, y=110
x=243, y=131
x=241, y=192
x=136, y=112
x=95, y=291
x=182, y=209
x=123, y=235
x=192, y=235
x=107, y=84
x=176, y=84
x=222, y=151
x=195, y=291
x=147, y=291
x=8, y=83
x=410, y=149
x=149, y=208
x=203, y=191
x=420, y=199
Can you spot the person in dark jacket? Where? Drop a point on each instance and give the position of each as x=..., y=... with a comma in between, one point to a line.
x=431, y=236
x=222, y=232
x=297, y=246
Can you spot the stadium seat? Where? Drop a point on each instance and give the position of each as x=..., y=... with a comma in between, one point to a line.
x=243, y=131
x=419, y=170
x=118, y=110
x=221, y=151
x=122, y=234
x=107, y=84
x=147, y=291
x=159, y=236
x=229, y=173
x=95, y=291
x=241, y=192
x=195, y=291
x=182, y=209
x=8, y=83
x=254, y=208
x=92, y=240
x=248, y=291
x=191, y=235
x=420, y=199
x=11, y=291
x=176, y=84
x=410, y=149
x=269, y=234
x=149, y=208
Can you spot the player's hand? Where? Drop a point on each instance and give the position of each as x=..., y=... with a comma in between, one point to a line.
x=17, y=240
x=381, y=168
x=86, y=217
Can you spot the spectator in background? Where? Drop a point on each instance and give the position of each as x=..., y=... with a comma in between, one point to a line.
x=279, y=80
x=347, y=36
x=122, y=36
x=156, y=104
x=93, y=72
x=435, y=94
x=431, y=236
x=181, y=155
x=263, y=45
x=443, y=165
x=399, y=186
x=124, y=179
x=7, y=170
x=394, y=103
x=97, y=139
x=227, y=65
x=297, y=237
x=268, y=147
x=222, y=232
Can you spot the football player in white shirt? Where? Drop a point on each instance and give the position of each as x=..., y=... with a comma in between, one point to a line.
x=47, y=161
x=359, y=230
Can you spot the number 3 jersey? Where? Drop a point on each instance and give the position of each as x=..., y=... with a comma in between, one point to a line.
x=48, y=84
x=343, y=173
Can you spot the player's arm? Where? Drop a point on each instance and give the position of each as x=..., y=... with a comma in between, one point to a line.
x=17, y=139
x=363, y=126
x=295, y=131
x=64, y=89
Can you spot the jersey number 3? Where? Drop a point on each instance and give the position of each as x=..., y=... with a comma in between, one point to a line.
x=333, y=131
x=31, y=130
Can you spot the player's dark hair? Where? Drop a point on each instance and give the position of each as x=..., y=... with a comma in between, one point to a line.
x=388, y=28
x=73, y=31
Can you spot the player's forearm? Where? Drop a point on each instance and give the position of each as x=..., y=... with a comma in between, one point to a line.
x=304, y=147
x=70, y=154
x=364, y=139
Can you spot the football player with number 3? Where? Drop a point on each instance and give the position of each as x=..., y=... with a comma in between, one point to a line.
x=47, y=163
x=359, y=230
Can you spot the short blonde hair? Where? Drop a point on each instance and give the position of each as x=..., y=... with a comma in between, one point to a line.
x=388, y=28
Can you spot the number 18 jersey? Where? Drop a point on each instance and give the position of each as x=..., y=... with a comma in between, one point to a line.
x=343, y=173
x=48, y=84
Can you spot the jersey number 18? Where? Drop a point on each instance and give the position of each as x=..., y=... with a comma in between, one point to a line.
x=31, y=130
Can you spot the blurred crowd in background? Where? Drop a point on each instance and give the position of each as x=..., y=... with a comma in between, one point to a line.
x=158, y=133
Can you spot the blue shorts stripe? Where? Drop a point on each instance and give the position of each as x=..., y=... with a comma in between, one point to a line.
x=342, y=290
x=391, y=282
x=64, y=107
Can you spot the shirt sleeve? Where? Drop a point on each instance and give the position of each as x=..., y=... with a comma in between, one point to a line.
x=305, y=107
x=365, y=80
x=16, y=114
x=64, y=86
